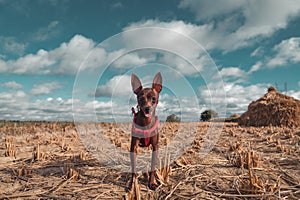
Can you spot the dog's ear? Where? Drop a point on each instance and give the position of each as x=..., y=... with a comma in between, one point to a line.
x=157, y=83
x=136, y=84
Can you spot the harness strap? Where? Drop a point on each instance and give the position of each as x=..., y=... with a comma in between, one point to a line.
x=146, y=133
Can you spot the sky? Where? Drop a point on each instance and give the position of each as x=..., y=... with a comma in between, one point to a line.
x=63, y=60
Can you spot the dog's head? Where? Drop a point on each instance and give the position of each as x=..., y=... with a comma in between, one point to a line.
x=147, y=98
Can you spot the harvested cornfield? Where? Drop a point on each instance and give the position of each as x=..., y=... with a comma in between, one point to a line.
x=49, y=161
x=274, y=109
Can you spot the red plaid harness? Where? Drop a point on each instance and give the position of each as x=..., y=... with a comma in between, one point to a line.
x=145, y=133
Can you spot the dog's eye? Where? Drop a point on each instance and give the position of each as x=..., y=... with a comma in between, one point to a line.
x=153, y=99
x=142, y=100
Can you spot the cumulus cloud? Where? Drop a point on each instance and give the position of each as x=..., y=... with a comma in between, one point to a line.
x=187, y=108
x=66, y=59
x=117, y=86
x=17, y=105
x=233, y=73
x=288, y=51
x=12, y=103
x=45, y=88
x=173, y=42
x=240, y=23
x=205, y=10
x=238, y=96
x=285, y=53
x=69, y=57
x=12, y=85
x=130, y=60
x=198, y=32
x=294, y=93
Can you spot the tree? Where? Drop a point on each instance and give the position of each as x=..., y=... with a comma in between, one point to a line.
x=173, y=118
x=208, y=114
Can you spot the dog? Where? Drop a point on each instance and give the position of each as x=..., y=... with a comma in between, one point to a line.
x=145, y=125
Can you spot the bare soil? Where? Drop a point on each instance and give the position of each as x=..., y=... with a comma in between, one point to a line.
x=49, y=161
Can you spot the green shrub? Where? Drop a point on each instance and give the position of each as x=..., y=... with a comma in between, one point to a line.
x=173, y=118
x=208, y=114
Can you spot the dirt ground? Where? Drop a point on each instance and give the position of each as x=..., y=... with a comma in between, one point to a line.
x=49, y=161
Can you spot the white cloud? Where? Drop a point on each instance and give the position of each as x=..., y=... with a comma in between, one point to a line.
x=130, y=60
x=257, y=66
x=45, y=88
x=17, y=105
x=32, y=63
x=117, y=86
x=201, y=33
x=240, y=23
x=69, y=57
x=187, y=108
x=12, y=85
x=117, y=5
x=288, y=51
x=11, y=45
x=12, y=103
x=54, y=109
x=174, y=41
x=207, y=10
x=65, y=59
x=238, y=97
x=295, y=94
x=3, y=66
x=257, y=52
x=233, y=72
x=44, y=33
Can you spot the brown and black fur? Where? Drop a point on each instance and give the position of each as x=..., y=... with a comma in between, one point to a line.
x=147, y=99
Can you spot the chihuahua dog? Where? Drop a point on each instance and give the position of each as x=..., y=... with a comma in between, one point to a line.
x=145, y=125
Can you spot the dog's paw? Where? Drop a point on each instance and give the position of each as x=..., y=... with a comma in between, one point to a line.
x=152, y=186
x=129, y=187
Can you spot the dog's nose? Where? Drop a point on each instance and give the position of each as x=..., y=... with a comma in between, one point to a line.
x=147, y=110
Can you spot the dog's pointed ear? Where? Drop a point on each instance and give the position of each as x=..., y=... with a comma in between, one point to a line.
x=157, y=83
x=136, y=84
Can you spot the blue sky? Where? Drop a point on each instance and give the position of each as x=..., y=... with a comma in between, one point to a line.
x=61, y=59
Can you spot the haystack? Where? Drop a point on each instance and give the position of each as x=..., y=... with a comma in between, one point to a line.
x=274, y=109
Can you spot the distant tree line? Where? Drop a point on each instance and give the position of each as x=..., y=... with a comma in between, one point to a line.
x=205, y=116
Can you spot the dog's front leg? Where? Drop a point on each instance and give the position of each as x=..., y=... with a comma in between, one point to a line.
x=152, y=181
x=133, y=151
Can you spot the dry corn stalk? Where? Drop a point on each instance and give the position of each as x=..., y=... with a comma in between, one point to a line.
x=10, y=150
x=10, y=147
x=135, y=194
x=22, y=172
x=255, y=184
x=244, y=158
x=37, y=154
x=164, y=171
x=83, y=155
x=70, y=172
x=182, y=162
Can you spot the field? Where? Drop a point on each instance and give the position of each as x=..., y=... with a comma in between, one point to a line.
x=49, y=161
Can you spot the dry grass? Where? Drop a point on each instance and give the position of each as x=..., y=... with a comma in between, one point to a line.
x=48, y=161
